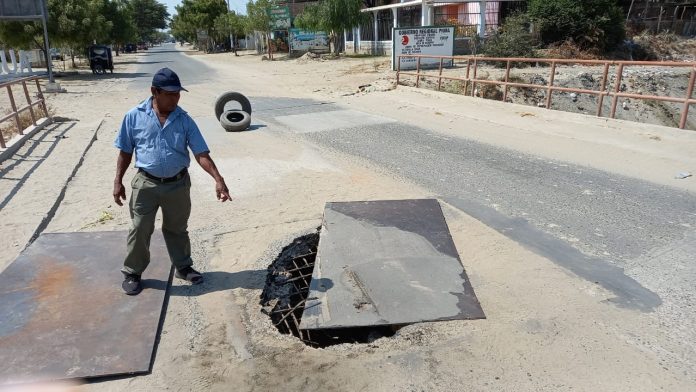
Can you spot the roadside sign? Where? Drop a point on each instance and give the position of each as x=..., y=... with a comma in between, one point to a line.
x=21, y=10
x=430, y=40
x=280, y=17
x=315, y=41
x=29, y=10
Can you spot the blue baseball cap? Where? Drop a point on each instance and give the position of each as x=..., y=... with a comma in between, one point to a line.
x=167, y=80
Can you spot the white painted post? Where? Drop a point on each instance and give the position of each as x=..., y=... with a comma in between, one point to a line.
x=24, y=62
x=13, y=60
x=482, y=25
x=395, y=15
x=3, y=61
x=376, y=31
x=356, y=39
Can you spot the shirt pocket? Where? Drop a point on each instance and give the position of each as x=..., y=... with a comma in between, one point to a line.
x=177, y=140
x=144, y=138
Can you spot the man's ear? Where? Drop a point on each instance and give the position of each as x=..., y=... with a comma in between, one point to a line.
x=153, y=91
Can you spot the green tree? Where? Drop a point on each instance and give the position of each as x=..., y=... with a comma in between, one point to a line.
x=259, y=21
x=257, y=16
x=230, y=24
x=590, y=24
x=78, y=23
x=513, y=39
x=195, y=15
x=21, y=35
x=333, y=17
x=121, y=16
x=148, y=17
x=73, y=24
x=181, y=30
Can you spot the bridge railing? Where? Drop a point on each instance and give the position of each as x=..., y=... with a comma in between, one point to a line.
x=30, y=104
x=615, y=93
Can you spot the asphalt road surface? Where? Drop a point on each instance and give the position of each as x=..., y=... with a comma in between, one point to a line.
x=632, y=237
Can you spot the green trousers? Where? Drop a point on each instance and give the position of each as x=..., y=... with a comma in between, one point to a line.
x=147, y=197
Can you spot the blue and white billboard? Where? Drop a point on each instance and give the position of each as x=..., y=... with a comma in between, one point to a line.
x=304, y=41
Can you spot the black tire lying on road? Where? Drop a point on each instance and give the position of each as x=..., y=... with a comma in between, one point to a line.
x=235, y=120
x=231, y=96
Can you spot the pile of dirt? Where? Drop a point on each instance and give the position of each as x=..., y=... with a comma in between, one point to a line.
x=384, y=84
x=568, y=50
x=663, y=47
x=309, y=56
x=643, y=81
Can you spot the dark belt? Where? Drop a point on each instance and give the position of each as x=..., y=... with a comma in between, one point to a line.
x=177, y=177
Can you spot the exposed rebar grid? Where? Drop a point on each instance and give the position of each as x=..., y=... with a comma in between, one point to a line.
x=286, y=291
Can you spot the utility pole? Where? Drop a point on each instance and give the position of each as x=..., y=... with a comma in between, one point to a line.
x=44, y=10
x=52, y=86
x=232, y=47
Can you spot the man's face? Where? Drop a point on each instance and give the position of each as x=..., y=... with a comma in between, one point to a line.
x=166, y=100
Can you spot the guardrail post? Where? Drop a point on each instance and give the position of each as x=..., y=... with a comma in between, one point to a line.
x=31, y=108
x=689, y=92
x=41, y=97
x=603, y=87
x=549, y=90
x=398, y=69
x=439, y=80
x=507, y=79
x=466, y=81
x=14, y=110
x=473, y=83
x=418, y=71
x=617, y=88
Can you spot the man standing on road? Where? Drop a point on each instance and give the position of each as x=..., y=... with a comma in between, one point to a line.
x=160, y=133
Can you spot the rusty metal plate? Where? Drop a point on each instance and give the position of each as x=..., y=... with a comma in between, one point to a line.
x=387, y=263
x=64, y=314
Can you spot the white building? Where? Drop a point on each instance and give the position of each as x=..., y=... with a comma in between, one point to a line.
x=470, y=17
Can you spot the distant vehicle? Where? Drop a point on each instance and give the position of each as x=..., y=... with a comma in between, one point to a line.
x=100, y=59
x=57, y=55
x=130, y=48
x=142, y=46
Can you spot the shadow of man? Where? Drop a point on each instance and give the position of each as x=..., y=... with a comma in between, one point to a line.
x=212, y=281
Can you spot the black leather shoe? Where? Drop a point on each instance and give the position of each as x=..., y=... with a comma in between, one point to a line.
x=189, y=274
x=132, y=285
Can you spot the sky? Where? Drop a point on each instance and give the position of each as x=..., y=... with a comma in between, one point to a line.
x=235, y=5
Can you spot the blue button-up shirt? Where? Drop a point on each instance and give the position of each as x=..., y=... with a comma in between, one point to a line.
x=159, y=150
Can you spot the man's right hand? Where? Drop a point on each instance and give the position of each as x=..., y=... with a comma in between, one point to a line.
x=119, y=193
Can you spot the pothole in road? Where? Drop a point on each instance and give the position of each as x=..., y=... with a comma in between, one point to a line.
x=287, y=288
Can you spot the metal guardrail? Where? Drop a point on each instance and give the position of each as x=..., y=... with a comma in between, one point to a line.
x=29, y=106
x=616, y=93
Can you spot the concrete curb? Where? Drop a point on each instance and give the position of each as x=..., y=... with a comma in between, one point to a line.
x=18, y=141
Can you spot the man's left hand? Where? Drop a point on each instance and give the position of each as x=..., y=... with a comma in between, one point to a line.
x=223, y=194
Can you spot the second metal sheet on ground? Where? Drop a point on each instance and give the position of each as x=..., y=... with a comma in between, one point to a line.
x=387, y=263
x=64, y=314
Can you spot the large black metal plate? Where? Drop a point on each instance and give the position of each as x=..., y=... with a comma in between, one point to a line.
x=63, y=314
x=387, y=263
